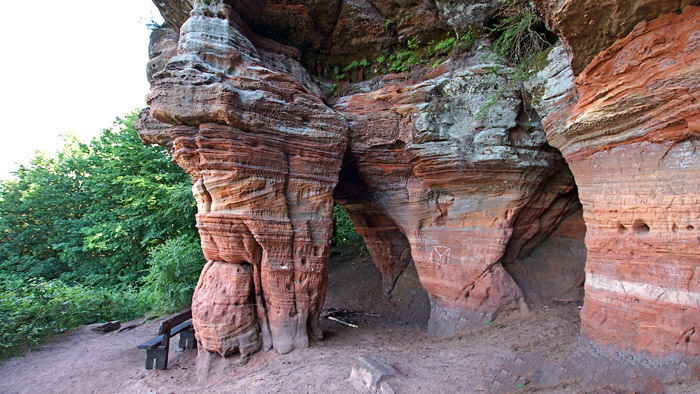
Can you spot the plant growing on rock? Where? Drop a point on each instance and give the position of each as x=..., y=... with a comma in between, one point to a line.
x=414, y=52
x=520, y=40
x=519, y=33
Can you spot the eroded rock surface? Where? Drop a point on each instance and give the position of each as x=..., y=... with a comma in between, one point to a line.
x=631, y=140
x=264, y=154
x=448, y=168
x=588, y=27
x=457, y=165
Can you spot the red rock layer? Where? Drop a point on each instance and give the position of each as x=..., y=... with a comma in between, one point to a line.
x=632, y=143
x=226, y=309
x=453, y=182
x=588, y=27
x=453, y=173
x=264, y=154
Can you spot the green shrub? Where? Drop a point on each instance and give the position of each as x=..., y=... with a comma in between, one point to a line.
x=34, y=310
x=80, y=229
x=345, y=239
x=174, y=269
x=406, y=56
x=91, y=213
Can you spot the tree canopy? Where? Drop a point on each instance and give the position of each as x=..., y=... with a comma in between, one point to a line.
x=92, y=213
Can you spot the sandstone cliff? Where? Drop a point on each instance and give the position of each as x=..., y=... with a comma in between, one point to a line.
x=443, y=164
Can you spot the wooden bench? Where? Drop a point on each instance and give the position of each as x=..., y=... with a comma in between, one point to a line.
x=157, y=348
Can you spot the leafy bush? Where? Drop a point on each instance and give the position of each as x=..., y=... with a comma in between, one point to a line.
x=34, y=310
x=173, y=273
x=90, y=214
x=345, y=238
x=406, y=56
x=100, y=231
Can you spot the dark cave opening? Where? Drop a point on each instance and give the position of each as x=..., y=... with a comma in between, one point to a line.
x=377, y=277
x=546, y=255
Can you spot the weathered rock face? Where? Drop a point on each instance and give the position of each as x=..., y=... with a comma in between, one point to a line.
x=447, y=168
x=630, y=133
x=587, y=27
x=327, y=31
x=264, y=154
x=462, y=180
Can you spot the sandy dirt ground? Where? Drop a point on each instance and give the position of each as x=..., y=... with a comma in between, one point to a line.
x=514, y=354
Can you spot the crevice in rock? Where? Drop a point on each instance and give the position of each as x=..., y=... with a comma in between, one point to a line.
x=387, y=245
x=546, y=252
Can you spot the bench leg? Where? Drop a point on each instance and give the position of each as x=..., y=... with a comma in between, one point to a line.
x=187, y=340
x=157, y=358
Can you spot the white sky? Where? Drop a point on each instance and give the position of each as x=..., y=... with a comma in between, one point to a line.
x=68, y=67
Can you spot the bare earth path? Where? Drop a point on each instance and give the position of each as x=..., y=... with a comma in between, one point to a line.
x=86, y=362
x=501, y=356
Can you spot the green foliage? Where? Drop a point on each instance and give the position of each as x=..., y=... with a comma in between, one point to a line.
x=100, y=231
x=443, y=46
x=345, y=238
x=90, y=214
x=389, y=24
x=517, y=34
x=405, y=57
x=34, y=310
x=403, y=60
x=521, y=43
x=173, y=272
x=413, y=43
x=342, y=73
x=447, y=45
x=356, y=65
x=338, y=75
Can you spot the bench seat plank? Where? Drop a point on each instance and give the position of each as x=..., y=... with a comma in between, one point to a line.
x=157, y=348
x=152, y=343
x=181, y=327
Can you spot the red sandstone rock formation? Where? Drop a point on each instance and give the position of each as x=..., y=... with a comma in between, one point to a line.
x=264, y=154
x=470, y=195
x=631, y=141
x=588, y=27
x=455, y=183
x=443, y=185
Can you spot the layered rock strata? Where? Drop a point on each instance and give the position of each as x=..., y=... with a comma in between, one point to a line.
x=450, y=168
x=447, y=168
x=629, y=127
x=459, y=168
x=588, y=27
x=264, y=154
